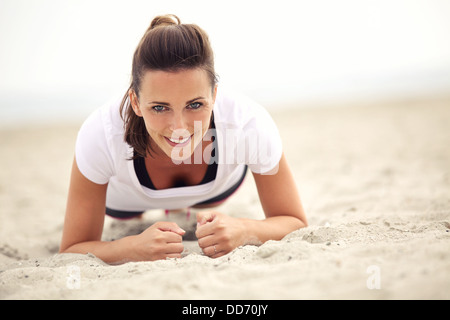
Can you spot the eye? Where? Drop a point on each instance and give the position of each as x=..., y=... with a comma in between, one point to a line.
x=158, y=108
x=195, y=105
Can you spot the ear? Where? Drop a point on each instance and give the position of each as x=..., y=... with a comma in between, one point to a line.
x=214, y=94
x=134, y=102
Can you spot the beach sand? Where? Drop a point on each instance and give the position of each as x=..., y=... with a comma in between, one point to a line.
x=374, y=179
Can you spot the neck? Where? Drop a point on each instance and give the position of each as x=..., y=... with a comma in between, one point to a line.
x=162, y=160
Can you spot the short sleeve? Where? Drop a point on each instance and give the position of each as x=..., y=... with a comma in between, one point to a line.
x=263, y=142
x=92, y=154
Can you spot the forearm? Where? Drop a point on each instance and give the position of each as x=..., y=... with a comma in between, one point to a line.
x=112, y=252
x=272, y=228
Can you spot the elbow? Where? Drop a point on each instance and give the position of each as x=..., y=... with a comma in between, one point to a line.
x=302, y=217
x=65, y=247
x=63, y=250
x=302, y=223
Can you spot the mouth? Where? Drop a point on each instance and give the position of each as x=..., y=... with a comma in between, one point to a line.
x=178, y=142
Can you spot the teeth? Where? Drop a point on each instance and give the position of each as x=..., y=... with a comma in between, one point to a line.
x=179, y=141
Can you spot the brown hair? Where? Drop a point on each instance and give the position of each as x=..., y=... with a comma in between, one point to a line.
x=170, y=46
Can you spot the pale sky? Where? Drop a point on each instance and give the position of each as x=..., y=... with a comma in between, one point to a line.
x=78, y=52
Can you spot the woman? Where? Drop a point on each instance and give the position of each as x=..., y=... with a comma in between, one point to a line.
x=176, y=140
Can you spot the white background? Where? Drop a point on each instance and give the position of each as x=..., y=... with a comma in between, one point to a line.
x=60, y=59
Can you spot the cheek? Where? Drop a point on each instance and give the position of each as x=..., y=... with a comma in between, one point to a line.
x=205, y=120
x=153, y=124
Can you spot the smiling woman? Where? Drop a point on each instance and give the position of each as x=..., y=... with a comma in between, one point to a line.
x=171, y=124
x=140, y=153
x=168, y=47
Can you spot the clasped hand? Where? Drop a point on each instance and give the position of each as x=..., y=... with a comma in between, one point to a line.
x=217, y=234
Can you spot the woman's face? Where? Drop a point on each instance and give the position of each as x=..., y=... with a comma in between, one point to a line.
x=176, y=108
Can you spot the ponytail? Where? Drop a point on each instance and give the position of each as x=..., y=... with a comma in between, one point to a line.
x=167, y=45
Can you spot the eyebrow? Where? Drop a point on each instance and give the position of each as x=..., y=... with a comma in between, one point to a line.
x=168, y=104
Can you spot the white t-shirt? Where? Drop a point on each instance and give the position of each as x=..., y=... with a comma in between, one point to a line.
x=245, y=133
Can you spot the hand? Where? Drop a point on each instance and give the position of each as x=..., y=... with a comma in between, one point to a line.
x=218, y=234
x=160, y=241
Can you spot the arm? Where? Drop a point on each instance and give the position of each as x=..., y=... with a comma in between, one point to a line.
x=83, y=228
x=281, y=204
x=219, y=234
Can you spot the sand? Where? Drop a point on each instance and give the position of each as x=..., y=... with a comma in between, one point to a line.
x=374, y=179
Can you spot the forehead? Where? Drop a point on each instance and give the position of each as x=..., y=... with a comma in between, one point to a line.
x=163, y=84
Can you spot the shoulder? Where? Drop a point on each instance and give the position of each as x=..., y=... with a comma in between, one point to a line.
x=104, y=125
x=235, y=109
x=247, y=126
x=100, y=142
x=104, y=117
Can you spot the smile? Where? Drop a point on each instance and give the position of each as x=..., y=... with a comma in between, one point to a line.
x=178, y=142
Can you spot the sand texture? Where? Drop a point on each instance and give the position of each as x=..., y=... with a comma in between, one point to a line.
x=374, y=180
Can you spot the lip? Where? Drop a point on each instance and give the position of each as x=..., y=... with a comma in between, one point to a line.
x=173, y=144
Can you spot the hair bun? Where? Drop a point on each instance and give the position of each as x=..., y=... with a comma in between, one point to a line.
x=165, y=20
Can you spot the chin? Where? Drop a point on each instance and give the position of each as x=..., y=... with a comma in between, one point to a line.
x=181, y=155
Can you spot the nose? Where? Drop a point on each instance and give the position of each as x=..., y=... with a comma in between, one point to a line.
x=178, y=122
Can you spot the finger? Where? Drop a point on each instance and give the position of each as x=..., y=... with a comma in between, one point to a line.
x=218, y=255
x=207, y=241
x=172, y=237
x=174, y=248
x=213, y=251
x=173, y=255
x=218, y=252
x=171, y=227
x=205, y=230
x=204, y=217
